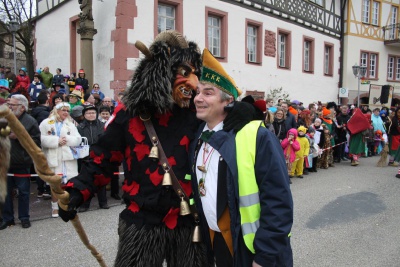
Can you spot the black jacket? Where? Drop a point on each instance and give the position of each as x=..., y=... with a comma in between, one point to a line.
x=290, y=121
x=40, y=113
x=280, y=129
x=84, y=82
x=92, y=130
x=341, y=120
x=19, y=157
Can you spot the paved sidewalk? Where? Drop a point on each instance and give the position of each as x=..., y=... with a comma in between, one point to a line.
x=41, y=209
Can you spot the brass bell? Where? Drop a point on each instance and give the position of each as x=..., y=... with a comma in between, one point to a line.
x=167, y=179
x=154, y=150
x=196, y=238
x=5, y=131
x=185, y=209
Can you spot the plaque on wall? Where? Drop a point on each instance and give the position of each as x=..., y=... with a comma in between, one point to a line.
x=270, y=43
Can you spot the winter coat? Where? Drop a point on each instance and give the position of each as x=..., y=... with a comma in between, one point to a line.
x=290, y=121
x=83, y=82
x=289, y=150
x=92, y=130
x=304, y=146
x=40, y=113
x=279, y=129
x=60, y=158
x=58, y=79
x=341, y=133
x=34, y=90
x=47, y=79
x=377, y=123
x=19, y=157
x=23, y=81
x=271, y=242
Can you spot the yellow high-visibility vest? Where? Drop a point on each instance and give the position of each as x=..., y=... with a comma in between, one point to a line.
x=249, y=199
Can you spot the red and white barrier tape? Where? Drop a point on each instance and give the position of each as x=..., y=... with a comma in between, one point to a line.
x=25, y=175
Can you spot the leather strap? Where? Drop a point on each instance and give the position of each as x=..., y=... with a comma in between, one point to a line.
x=163, y=159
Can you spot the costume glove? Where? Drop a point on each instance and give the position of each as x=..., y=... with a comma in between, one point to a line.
x=239, y=114
x=75, y=199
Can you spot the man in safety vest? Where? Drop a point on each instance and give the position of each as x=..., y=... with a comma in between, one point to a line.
x=239, y=178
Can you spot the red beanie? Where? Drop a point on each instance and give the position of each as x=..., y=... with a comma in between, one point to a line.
x=261, y=105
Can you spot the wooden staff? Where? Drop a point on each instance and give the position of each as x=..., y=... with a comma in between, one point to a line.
x=47, y=175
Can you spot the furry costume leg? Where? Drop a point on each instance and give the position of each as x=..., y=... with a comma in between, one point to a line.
x=5, y=147
x=149, y=246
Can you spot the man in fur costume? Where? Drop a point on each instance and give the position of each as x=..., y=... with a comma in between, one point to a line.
x=151, y=228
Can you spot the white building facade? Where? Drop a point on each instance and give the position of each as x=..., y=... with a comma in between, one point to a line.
x=263, y=44
x=371, y=39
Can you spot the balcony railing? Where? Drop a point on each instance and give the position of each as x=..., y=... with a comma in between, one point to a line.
x=391, y=34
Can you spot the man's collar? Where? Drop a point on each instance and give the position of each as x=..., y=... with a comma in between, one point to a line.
x=217, y=127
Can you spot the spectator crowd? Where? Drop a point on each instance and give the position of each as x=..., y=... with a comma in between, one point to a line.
x=60, y=111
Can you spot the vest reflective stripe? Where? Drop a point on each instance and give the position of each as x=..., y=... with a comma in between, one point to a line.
x=249, y=200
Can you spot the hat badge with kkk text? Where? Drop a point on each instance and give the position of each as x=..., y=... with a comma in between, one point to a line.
x=213, y=73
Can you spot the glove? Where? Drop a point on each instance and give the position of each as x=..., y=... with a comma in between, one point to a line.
x=239, y=114
x=75, y=199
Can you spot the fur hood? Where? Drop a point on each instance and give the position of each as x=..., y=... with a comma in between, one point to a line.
x=151, y=88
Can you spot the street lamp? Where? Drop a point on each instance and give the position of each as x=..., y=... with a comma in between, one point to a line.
x=359, y=72
x=14, y=27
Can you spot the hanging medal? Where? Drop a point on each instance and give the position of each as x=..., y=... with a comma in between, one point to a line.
x=202, y=168
x=202, y=188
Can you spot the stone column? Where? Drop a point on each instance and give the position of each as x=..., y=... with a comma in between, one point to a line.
x=87, y=31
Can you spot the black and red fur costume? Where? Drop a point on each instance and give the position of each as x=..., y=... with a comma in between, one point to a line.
x=150, y=228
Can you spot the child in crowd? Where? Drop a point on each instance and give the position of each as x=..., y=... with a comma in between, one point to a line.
x=324, y=162
x=379, y=142
x=290, y=145
x=298, y=164
x=104, y=113
x=313, y=150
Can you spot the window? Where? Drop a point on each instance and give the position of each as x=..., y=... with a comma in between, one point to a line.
x=253, y=42
x=390, y=68
x=370, y=12
x=328, y=59
x=216, y=35
x=168, y=15
x=308, y=55
x=375, y=13
x=393, y=68
x=166, y=18
x=370, y=60
x=393, y=22
x=284, y=49
x=318, y=2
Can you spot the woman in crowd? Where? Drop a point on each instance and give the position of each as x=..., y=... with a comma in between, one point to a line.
x=92, y=129
x=56, y=99
x=58, y=136
x=279, y=124
x=75, y=99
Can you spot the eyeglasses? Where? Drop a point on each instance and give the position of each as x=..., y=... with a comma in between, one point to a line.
x=13, y=105
x=96, y=87
x=278, y=113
